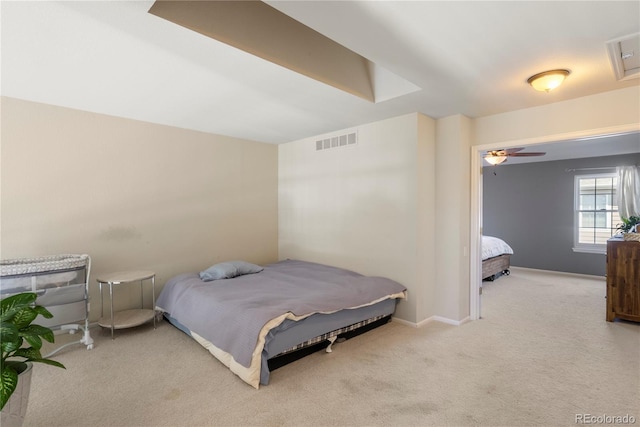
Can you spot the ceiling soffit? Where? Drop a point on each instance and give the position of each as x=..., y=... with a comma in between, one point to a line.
x=263, y=31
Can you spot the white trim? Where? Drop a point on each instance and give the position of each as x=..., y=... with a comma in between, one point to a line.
x=406, y=322
x=591, y=249
x=475, y=282
x=562, y=273
x=561, y=137
x=430, y=320
x=475, y=231
x=450, y=321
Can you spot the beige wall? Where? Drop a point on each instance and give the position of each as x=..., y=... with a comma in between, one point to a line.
x=425, y=260
x=618, y=108
x=132, y=195
x=138, y=195
x=355, y=209
x=357, y=206
x=453, y=140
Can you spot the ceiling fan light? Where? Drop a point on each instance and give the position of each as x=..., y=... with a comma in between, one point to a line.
x=547, y=80
x=495, y=160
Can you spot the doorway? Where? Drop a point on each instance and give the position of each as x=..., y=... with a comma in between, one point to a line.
x=476, y=222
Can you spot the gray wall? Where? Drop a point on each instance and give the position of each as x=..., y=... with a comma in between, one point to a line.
x=530, y=206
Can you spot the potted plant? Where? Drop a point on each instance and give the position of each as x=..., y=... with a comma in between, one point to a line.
x=17, y=313
x=630, y=228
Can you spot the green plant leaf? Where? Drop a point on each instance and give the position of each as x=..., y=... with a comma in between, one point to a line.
x=28, y=353
x=33, y=340
x=8, y=383
x=49, y=362
x=11, y=305
x=9, y=347
x=38, y=330
x=8, y=332
x=43, y=312
x=628, y=223
x=9, y=337
x=24, y=317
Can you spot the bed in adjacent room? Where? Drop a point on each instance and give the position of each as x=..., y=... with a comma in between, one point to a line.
x=496, y=257
x=253, y=319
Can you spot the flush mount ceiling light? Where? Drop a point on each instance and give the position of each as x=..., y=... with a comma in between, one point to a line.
x=547, y=80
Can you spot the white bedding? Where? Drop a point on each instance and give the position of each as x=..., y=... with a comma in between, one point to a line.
x=493, y=246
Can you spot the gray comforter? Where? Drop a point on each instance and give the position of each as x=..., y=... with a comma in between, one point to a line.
x=230, y=313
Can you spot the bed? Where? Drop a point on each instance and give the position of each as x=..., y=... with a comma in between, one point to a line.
x=257, y=321
x=496, y=257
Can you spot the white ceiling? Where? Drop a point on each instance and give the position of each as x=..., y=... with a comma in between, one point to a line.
x=468, y=57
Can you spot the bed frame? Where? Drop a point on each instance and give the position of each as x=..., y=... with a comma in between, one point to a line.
x=318, y=343
x=492, y=268
x=324, y=342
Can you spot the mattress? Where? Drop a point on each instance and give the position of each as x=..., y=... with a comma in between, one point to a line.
x=493, y=247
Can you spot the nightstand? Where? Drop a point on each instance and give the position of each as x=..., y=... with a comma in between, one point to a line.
x=127, y=318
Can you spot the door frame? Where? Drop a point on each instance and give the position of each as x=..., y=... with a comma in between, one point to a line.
x=475, y=230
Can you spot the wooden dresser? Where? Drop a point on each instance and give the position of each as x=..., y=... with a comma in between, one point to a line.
x=623, y=280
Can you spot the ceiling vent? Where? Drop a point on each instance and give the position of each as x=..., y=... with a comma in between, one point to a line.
x=337, y=141
x=624, y=54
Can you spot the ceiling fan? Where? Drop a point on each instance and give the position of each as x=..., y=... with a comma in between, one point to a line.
x=495, y=157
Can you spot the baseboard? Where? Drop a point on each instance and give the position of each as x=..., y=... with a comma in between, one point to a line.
x=404, y=322
x=431, y=319
x=451, y=321
x=562, y=273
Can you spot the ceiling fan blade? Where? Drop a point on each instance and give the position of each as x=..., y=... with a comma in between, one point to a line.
x=512, y=150
x=526, y=154
x=503, y=152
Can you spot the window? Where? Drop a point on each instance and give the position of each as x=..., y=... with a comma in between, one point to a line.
x=596, y=212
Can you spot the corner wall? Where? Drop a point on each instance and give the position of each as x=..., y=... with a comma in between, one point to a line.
x=364, y=207
x=453, y=139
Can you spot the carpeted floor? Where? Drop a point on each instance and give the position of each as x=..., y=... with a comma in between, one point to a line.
x=542, y=355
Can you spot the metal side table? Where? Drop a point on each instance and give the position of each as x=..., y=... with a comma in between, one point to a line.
x=127, y=318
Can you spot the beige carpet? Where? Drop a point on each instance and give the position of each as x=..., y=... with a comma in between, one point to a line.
x=542, y=354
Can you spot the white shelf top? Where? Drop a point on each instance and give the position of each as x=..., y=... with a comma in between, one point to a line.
x=126, y=276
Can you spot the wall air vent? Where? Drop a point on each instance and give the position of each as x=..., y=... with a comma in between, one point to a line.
x=624, y=54
x=337, y=141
